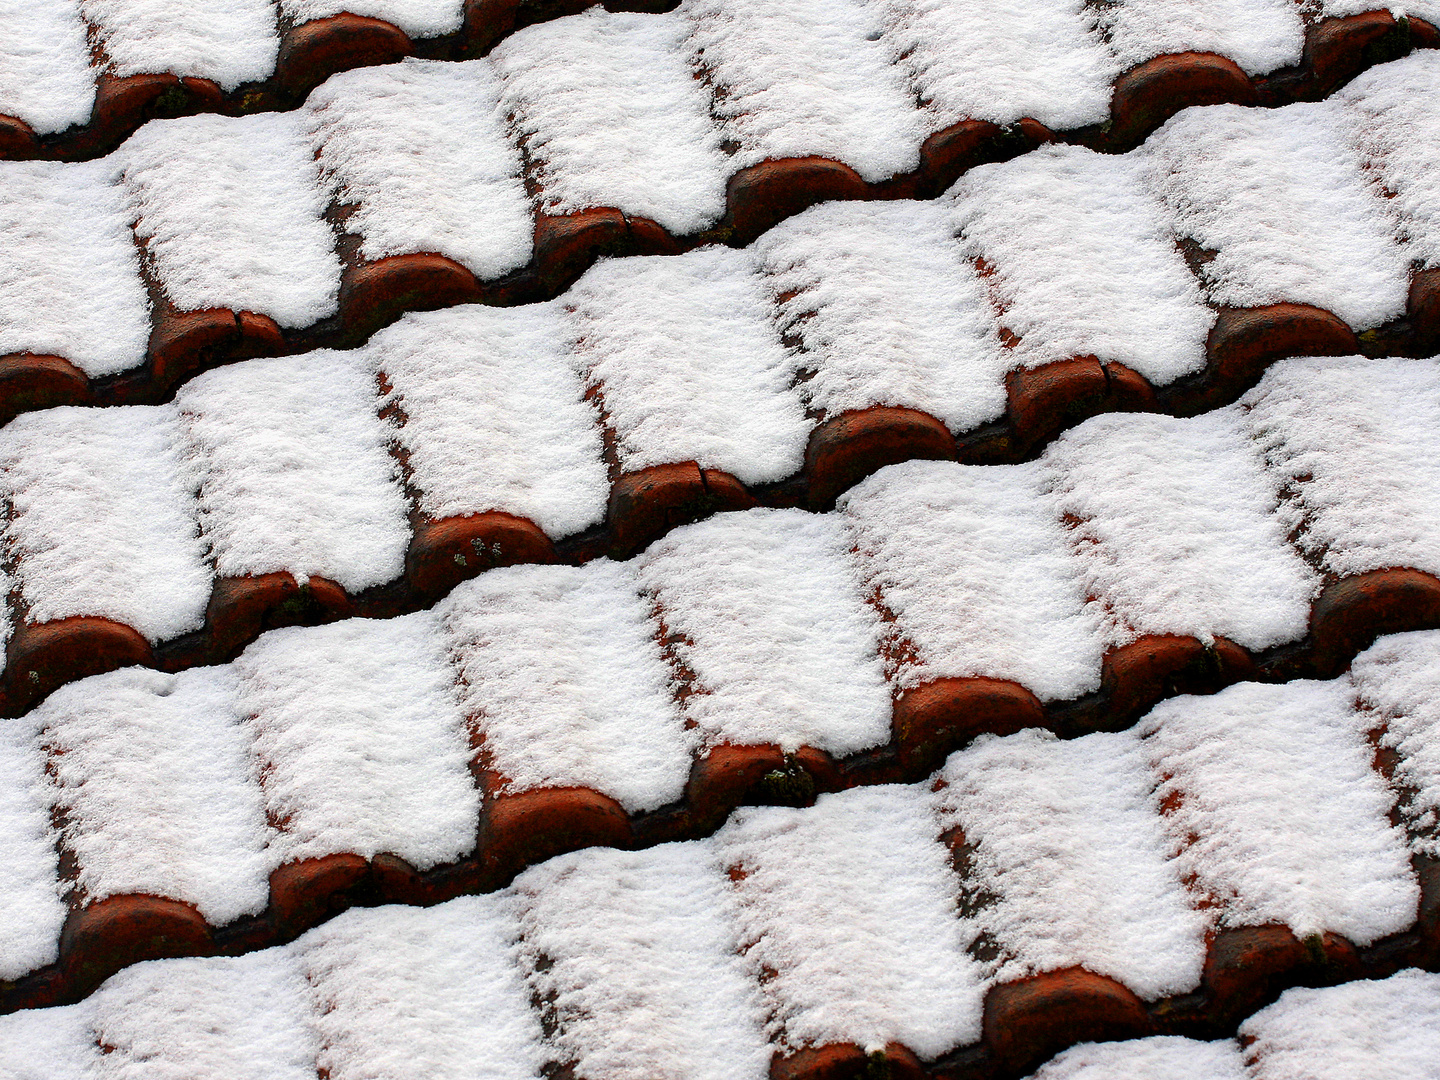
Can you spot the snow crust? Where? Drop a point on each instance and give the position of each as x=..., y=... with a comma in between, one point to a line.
x=45, y=75
x=418, y=18
x=102, y=518
x=70, y=282
x=689, y=365
x=50, y=1044
x=229, y=41
x=495, y=415
x=1259, y=35
x=1391, y=111
x=1280, y=816
x=766, y=608
x=641, y=967
x=31, y=910
x=1383, y=1027
x=886, y=310
x=1082, y=262
x=421, y=149
x=296, y=476
x=611, y=116
x=975, y=566
x=561, y=674
x=1161, y=1057
x=1073, y=860
x=1398, y=678
x=1000, y=60
x=358, y=741
x=230, y=210
x=1353, y=445
x=806, y=77
x=1176, y=529
x=1279, y=196
x=152, y=771
x=421, y=994
x=210, y=1018
x=899, y=972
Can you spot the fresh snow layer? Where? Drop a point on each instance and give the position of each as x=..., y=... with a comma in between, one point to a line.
x=1354, y=444
x=1161, y=1057
x=641, y=972
x=766, y=608
x=1279, y=196
x=211, y=1018
x=1176, y=530
x=102, y=518
x=421, y=994
x=1386, y=1028
x=45, y=75
x=1000, y=60
x=70, y=279
x=852, y=905
x=1073, y=860
x=1398, y=678
x=611, y=116
x=421, y=150
x=1277, y=812
x=418, y=18
x=359, y=742
x=806, y=77
x=1259, y=35
x=153, y=773
x=561, y=674
x=1081, y=261
x=50, y=1044
x=230, y=210
x=228, y=41
x=1393, y=111
x=886, y=311
x=495, y=416
x=31, y=910
x=296, y=475
x=976, y=568
x=688, y=364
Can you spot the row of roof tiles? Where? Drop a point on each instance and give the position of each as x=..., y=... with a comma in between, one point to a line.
x=1035, y=892
x=267, y=494
x=76, y=76
x=207, y=237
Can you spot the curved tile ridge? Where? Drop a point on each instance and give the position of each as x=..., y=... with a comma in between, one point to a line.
x=1224, y=851
x=210, y=239
x=83, y=74
x=294, y=491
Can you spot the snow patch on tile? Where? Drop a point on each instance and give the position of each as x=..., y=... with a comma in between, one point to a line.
x=1176, y=529
x=640, y=965
x=1162, y=1057
x=1081, y=260
x=974, y=564
x=102, y=518
x=153, y=773
x=612, y=116
x=887, y=311
x=769, y=613
x=45, y=74
x=807, y=77
x=421, y=994
x=359, y=742
x=31, y=909
x=295, y=472
x=866, y=943
x=561, y=674
x=1279, y=815
x=689, y=364
x=495, y=415
x=50, y=1044
x=70, y=276
x=230, y=210
x=229, y=42
x=1259, y=35
x=418, y=18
